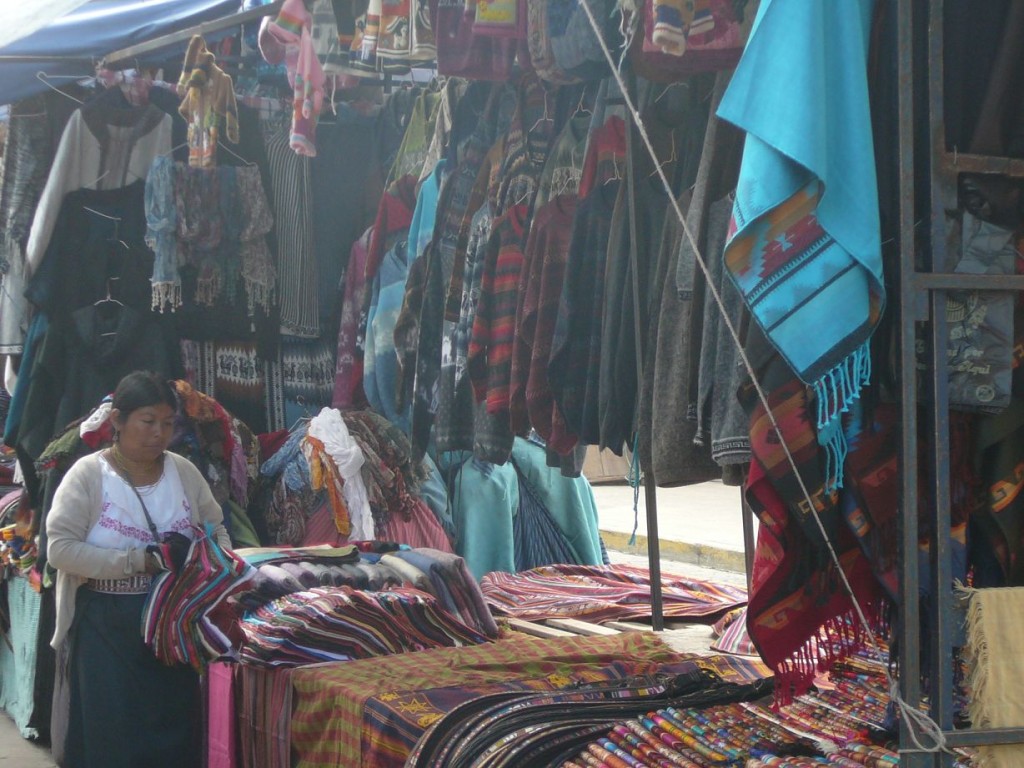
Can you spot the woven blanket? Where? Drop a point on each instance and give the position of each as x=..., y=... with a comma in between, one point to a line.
x=603, y=593
x=394, y=721
x=328, y=727
x=805, y=246
x=995, y=661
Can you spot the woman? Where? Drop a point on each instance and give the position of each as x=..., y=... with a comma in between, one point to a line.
x=127, y=709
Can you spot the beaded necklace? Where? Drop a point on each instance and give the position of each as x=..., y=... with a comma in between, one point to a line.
x=122, y=464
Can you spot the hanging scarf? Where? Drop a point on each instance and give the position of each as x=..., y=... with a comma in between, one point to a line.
x=161, y=226
x=800, y=617
x=257, y=263
x=805, y=249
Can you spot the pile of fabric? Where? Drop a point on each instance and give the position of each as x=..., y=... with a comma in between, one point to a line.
x=369, y=566
x=178, y=617
x=345, y=476
x=364, y=713
x=341, y=623
x=604, y=593
x=221, y=447
x=545, y=728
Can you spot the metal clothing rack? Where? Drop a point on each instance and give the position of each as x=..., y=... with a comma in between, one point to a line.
x=640, y=323
x=173, y=38
x=923, y=292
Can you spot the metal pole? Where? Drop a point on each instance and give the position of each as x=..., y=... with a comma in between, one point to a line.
x=749, y=544
x=942, y=195
x=909, y=617
x=639, y=324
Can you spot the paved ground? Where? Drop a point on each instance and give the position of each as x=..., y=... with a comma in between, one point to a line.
x=16, y=752
x=699, y=524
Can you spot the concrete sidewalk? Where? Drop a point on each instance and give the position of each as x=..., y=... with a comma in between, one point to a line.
x=698, y=524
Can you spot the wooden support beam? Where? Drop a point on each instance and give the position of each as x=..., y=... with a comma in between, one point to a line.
x=577, y=627
x=537, y=630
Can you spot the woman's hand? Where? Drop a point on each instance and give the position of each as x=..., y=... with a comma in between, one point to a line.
x=153, y=565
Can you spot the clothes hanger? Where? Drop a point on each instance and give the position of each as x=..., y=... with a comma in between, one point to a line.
x=117, y=225
x=110, y=301
x=544, y=117
x=174, y=149
x=231, y=152
x=670, y=160
x=582, y=108
x=44, y=78
x=301, y=401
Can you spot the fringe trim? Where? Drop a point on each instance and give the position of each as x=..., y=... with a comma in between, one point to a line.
x=259, y=294
x=208, y=288
x=835, y=393
x=976, y=654
x=166, y=295
x=836, y=639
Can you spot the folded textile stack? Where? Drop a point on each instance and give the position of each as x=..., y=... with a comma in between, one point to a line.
x=547, y=728
x=178, y=619
x=604, y=593
x=341, y=623
x=442, y=575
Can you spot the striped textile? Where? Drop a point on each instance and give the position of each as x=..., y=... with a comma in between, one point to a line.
x=603, y=593
x=494, y=327
x=297, y=284
x=329, y=700
x=264, y=707
x=394, y=721
x=732, y=635
x=178, y=619
x=341, y=623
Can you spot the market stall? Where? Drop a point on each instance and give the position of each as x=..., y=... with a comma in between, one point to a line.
x=405, y=262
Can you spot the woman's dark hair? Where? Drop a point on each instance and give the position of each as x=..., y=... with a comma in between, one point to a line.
x=141, y=389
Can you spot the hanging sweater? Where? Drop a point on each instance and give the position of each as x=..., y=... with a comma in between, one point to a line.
x=553, y=225
x=454, y=219
x=348, y=376
x=574, y=363
x=493, y=335
x=208, y=104
x=720, y=417
x=101, y=148
x=82, y=359
x=667, y=427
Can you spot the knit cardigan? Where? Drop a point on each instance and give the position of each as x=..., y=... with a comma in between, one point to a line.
x=76, y=510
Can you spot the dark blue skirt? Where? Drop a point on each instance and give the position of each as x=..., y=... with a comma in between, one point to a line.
x=127, y=709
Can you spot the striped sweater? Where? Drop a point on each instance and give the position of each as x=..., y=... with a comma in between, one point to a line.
x=490, y=344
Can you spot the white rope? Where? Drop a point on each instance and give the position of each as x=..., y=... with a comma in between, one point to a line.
x=912, y=716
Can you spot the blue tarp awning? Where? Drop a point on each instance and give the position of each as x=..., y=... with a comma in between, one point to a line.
x=72, y=44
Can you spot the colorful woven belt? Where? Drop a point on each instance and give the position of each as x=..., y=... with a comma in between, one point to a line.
x=131, y=585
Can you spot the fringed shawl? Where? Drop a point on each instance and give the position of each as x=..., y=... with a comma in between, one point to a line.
x=804, y=246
